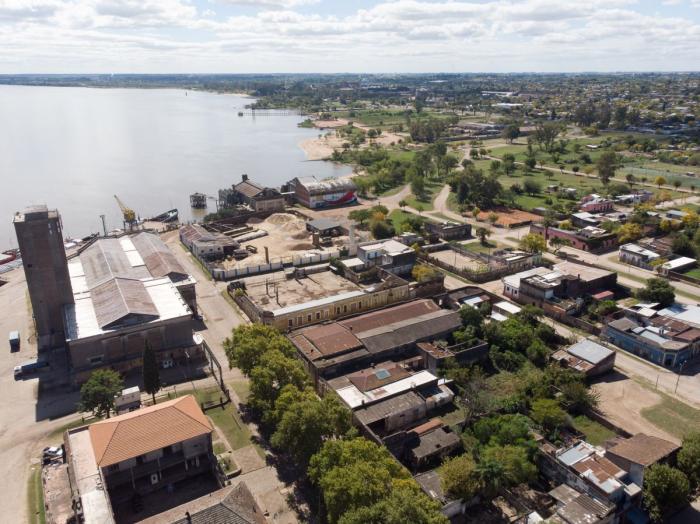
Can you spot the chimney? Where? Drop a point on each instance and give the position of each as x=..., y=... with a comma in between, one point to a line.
x=244, y=177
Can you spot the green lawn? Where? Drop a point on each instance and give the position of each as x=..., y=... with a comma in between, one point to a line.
x=398, y=220
x=242, y=389
x=673, y=416
x=35, y=497
x=695, y=272
x=594, y=432
x=426, y=202
x=478, y=247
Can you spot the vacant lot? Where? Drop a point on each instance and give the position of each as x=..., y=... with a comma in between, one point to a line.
x=457, y=260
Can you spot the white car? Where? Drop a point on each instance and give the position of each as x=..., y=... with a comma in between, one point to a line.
x=53, y=452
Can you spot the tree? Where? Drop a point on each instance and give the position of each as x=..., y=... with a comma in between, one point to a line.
x=629, y=232
x=657, y=290
x=402, y=204
x=532, y=187
x=533, y=243
x=248, y=343
x=660, y=181
x=503, y=430
x=352, y=474
x=482, y=234
x=547, y=413
x=665, y=489
x=510, y=133
x=459, y=477
x=381, y=229
x=424, y=273
x=578, y=398
x=607, y=164
x=97, y=394
x=360, y=215
x=308, y=422
x=272, y=373
x=150, y=372
x=504, y=467
x=689, y=459
x=559, y=242
x=546, y=134
x=405, y=503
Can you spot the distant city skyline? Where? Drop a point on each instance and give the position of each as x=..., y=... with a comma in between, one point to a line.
x=329, y=36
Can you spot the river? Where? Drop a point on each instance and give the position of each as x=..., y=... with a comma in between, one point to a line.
x=75, y=148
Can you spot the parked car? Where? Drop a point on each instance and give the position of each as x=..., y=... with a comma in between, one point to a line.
x=53, y=452
x=30, y=367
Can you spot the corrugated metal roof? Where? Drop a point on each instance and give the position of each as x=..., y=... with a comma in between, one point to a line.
x=120, y=298
x=158, y=258
x=249, y=188
x=590, y=351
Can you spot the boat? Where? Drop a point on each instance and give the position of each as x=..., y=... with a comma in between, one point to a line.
x=168, y=216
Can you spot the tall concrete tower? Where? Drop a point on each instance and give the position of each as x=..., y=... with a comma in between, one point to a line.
x=40, y=240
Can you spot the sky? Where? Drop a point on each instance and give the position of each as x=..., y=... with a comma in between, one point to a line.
x=333, y=36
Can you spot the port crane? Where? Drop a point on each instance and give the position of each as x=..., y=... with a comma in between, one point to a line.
x=128, y=214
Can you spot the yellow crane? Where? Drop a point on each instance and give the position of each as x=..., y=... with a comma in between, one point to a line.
x=128, y=213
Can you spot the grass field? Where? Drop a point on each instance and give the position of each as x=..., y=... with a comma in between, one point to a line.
x=478, y=247
x=398, y=220
x=673, y=416
x=242, y=389
x=385, y=118
x=695, y=272
x=35, y=497
x=431, y=191
x=595, y=432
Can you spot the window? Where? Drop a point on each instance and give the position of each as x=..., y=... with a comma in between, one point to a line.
x=308, y=317
x=96, y=359
x=345, y=308
x=318, y=315
x=290, y=322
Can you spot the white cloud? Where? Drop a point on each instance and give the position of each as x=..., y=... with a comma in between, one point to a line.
x=399, y=35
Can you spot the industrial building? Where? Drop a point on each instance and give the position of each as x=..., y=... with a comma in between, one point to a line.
x=312, y=193
x=40, y=239
x=256, y=196
x=127, y=291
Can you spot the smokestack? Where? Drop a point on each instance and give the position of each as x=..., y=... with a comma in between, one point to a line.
x=267, y=255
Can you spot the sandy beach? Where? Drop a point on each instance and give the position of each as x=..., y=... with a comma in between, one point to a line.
x=322, y=148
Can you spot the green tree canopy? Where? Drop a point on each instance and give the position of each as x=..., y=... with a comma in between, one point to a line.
x=665, y=489
x=657, y=290
x=248, y=344
x=272, y=373
x=97, y=394
x=406, y=503
x=459, y=477
x=308, y=422
x=689, y=459
x=547, y=413
x=607, y=164
x=505, y=466
x=502, y=430
x=533, y=243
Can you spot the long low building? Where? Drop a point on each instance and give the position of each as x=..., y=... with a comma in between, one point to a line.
x=335, y=348
x=313, y=193
x=127, y=292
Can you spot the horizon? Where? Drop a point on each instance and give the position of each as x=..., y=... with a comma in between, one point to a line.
x=333, y=37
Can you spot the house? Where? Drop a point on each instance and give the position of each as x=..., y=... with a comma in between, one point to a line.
x=639, y=452
x=334, y=348
x=597, y=204
x=256, y=196
x=565, y=281
x=675, y=214
x=590, y=238
x=651, y=342
x=229, y=505
x=586, y=356
x=141, y=452
x=638, y=256
x=677, y=265
x=573, y=507
x=430, y=443
x=448, y=230
x=312, y=193
x=637, y=197
x=389, y=254
x=431, y=485
x=434, y=356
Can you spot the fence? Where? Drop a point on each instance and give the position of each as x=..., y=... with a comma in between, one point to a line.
x=294, y=261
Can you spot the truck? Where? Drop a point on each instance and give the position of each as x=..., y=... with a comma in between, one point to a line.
x=30, y=367
x=14, y=341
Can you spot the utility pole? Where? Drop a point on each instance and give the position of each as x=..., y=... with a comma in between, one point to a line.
x=104, y=225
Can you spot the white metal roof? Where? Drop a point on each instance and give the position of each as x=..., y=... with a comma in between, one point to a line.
x=508, y=307
x=678, y=262
x=316, y=303
x=589, y=351
x=354, y=398
x=514, y=280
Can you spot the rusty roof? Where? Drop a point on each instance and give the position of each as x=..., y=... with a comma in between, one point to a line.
x=119, y=298
x=159, y=260
x=643, y=449
x=378, y=376
x=148, y=429
x=249, y=188
x=383, y=317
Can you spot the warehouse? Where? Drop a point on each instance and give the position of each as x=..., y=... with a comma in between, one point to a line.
x=312, y=193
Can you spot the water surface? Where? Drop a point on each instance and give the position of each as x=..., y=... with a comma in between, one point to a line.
x=74, y=148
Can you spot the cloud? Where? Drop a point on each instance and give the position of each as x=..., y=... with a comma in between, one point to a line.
x=398, y=35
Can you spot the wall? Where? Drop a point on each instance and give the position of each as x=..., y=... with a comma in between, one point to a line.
x=296, y=260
